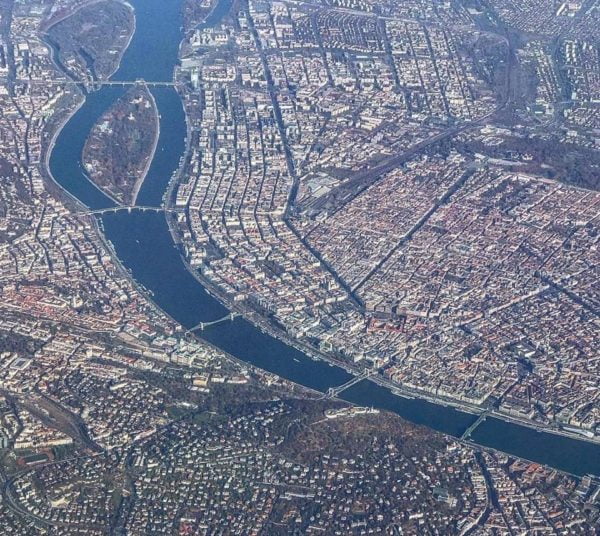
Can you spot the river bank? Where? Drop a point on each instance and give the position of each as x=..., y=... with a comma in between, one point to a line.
x=140, y=181
x=144, y=246
x=397, y=389
x=98, y=225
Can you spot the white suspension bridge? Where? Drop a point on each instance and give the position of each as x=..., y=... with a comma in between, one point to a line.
x=333, y=392
x=202, y=325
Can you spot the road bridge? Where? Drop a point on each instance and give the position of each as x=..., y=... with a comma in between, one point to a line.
x=482, y=417
x=123, y=208
x=118, y=83
x=202, y=325
x=333, y=392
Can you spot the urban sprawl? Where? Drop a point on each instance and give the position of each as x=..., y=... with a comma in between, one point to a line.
x=410, y=190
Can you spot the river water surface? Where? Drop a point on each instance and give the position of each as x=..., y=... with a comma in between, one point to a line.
x=144, y=245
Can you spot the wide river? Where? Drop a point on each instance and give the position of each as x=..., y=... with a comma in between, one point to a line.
x=144, y=245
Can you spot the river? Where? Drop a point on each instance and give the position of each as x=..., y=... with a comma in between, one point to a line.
x=144, y=245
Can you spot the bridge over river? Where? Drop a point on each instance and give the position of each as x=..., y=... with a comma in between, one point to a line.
x=482, y=417
x=136, y=239
x=118, y=83
x=126, y=208
x=333, y=392
x=202, y=325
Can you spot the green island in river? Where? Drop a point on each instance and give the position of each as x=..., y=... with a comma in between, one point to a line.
x=119, y=149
